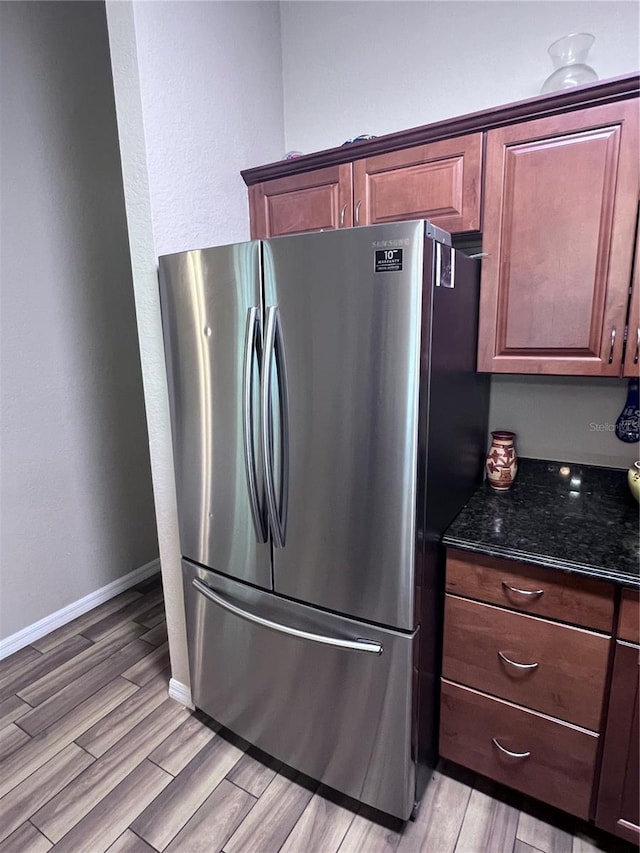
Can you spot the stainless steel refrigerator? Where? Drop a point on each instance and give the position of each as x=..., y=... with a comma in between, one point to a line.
x=328, y=424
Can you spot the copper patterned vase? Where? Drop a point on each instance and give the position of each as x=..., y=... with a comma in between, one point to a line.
x=502, y=463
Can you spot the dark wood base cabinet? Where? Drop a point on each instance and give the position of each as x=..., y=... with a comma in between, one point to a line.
x=530, y=697
x=618, y=808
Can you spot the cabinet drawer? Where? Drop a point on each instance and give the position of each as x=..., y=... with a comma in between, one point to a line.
x=530, y=589
x=556, y=669
x=629, y=621
x=558, y=759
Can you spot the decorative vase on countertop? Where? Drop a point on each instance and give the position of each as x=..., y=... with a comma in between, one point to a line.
x=502, y=463
x=628, y=423
x=633, y=478
x=569, y=55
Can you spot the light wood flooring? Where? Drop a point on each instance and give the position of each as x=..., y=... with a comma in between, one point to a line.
x=94, y=757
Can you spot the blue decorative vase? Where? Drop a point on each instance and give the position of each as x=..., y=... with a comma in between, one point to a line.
x=628, y=424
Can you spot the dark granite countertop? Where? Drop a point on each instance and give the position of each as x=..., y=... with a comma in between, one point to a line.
x=578, y=518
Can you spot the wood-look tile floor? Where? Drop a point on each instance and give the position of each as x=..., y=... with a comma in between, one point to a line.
x=94, y=756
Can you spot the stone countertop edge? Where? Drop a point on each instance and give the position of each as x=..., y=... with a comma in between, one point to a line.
x=542, y=520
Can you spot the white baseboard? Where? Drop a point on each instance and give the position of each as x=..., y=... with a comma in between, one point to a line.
x=181, y=693
x=39, y=629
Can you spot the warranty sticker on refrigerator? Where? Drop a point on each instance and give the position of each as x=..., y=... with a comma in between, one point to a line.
x=388, y=260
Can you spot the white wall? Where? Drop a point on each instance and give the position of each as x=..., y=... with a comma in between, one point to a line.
x=199, y=97
x=377, y=67
x=211, y=85
x=566, y=418
x=77, y=508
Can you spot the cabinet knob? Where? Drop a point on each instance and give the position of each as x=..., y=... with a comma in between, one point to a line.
x=357, y=214
x=342, y=213
x=637, y=352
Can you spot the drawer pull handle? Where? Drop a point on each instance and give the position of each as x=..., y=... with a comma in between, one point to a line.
x=503, y=657
x=358, y=645
x=508, y=751
x=533, y=592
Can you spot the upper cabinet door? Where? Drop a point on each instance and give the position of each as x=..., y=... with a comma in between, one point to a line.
x=632, y=352
x=313, y=201
x=560, y=203
x=439, y=181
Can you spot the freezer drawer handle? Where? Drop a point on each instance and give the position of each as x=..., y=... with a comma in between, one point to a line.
x=251, y=345
x=352, y=645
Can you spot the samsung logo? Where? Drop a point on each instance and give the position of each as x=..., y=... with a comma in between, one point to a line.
x=386, y=244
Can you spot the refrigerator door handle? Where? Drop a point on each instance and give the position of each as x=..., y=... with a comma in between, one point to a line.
x=274, y=348
x=251, y=347
x=281, y=367
x=360, y=645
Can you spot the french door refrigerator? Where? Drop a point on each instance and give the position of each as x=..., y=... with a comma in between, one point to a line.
x=327, y=425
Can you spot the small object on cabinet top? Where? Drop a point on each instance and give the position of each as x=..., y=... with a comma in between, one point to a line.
x=362, y=138
x=293, y=155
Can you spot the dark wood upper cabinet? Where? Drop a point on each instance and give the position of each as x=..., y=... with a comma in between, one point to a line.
x=632, y=352
x=440, y=181
x=560, y=202
x=313, y=201
x=552, y=183
x=618, y=808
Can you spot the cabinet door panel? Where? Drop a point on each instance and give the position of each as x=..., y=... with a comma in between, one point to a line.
x=560, y=207
x=618, y=809
x=313, y=201
x=439, y=181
